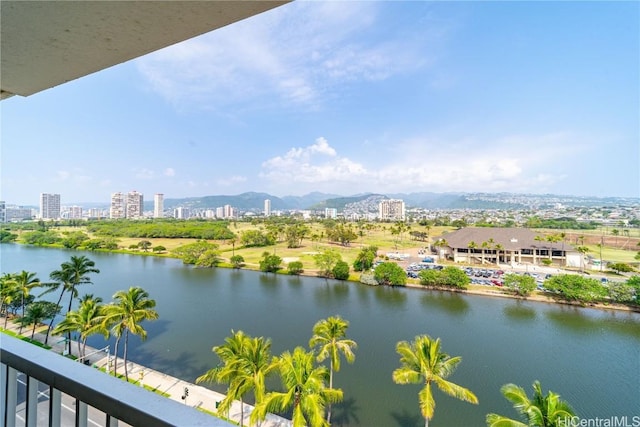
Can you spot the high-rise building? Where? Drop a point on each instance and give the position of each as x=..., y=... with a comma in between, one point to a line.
x=95, y=213
x=135, y=205
x=391, y=210
x=49, y=206
x=267, y=207
x=181, y=213
x=74, y=212
x=3, y=211
x=228, y=211
x=118, y=204
x=158, y=205
x=330, y=212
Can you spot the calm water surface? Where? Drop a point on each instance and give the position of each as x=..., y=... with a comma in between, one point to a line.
x=590, y=357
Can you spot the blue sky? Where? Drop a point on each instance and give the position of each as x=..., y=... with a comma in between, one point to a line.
x=346, y=98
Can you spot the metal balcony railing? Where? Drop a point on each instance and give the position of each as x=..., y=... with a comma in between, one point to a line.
x=26, y=369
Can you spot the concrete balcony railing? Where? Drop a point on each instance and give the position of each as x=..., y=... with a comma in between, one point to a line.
x=34, y=381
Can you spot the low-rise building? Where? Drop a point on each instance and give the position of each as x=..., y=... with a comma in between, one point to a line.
x=506, y=246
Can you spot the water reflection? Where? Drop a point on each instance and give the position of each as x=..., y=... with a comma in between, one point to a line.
x=331, y=293
x=448, y=302
x=406, y=419
x=390, y=296
x=579, y=321
x=345, y=413
x=519, y=312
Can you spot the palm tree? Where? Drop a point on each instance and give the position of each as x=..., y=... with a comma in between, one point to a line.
x=471, y=245
x=8, y=292
x=583, y=250
x=422, y=360
x=77, y=270
x=62, y=278
x=25, y=281
x=251, y=368
x=484, y=246
x=125, y=315
x=498, y=247
x=71, y=274
x=230, y=372
x=305, y=391
x=329, y=338
x=540, y=411
x=87, y=320
x=39, y=311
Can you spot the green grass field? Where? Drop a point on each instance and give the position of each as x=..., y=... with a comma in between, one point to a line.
x=380, y=235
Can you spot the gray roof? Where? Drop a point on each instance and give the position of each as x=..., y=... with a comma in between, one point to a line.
x=509, y=238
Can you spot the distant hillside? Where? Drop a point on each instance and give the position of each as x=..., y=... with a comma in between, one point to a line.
x=245, y=201
x=308, y=200
x=340, y=202
x=252, y=201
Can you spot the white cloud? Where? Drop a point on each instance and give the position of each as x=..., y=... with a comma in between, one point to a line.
x=169, y=172
x=316, y=163
x=295, y=53
x=511, y=164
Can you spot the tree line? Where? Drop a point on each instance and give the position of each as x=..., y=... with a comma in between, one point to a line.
x=120, y=318
x=306, y=385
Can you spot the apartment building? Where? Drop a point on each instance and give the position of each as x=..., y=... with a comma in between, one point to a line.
x=330, y=213
x=392, y=210
x=49, y=206
x=135, y=205
x=158, y=205
x=267, y=207
x=118, y=204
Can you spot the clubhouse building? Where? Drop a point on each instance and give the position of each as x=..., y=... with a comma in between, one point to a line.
x=513, y=246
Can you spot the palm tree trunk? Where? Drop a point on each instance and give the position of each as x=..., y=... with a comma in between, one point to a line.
x=46, y=338
x=33, y=331
x=331, y=387
x=21, y=324
x=68, y=310
x=115, y=358
x=126, y=342
x=84, y=348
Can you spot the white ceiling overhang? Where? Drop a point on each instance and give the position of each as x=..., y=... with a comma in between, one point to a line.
x=47, y=43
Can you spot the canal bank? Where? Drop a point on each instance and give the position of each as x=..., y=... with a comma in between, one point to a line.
x=190, y=394
x=590, y=357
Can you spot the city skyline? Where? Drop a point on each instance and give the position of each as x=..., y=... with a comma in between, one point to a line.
x=349, y=98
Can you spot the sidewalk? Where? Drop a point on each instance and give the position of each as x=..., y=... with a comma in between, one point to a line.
x=198, y=396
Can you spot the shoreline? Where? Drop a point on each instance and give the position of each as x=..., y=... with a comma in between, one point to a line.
x=200, y=398
x=535, y=297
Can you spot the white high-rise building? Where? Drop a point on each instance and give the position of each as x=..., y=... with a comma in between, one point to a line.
x=158, y=205
x=118, y=205
x=228, y=211
x=391, y=210
x=182, y=213
x=3, y=212
x=267, y=207
x=330, y=212
x=75, y=212
x=95, y=213
x=49, y=206
x=135, y=205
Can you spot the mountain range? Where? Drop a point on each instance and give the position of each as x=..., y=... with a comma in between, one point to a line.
x=254, y=201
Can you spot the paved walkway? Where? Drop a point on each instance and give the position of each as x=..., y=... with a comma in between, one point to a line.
x=198, y=396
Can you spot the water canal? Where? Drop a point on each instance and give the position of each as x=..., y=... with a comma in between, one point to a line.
x=591, y=357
